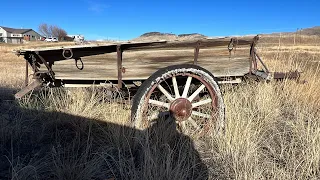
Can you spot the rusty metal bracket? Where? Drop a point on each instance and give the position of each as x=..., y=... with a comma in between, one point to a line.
x=51, y=73
x=123, y=70
x=196, y=53
x=26, y=81
x=34, y=61
x=254, y=57
x=232, y=46
x=287, y=75
x=262, y=63
x=253, y=60
x=119, y=65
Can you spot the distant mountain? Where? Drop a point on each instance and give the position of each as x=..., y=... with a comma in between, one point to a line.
x=148, y=34
x=311, y=31
x=192, y=35
x=154, y=36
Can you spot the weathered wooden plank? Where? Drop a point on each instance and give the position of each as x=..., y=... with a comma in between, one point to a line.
x=55, y=53
x=140, y=65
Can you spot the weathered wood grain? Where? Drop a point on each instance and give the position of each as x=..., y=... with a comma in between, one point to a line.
x=56, y=53
x=141, y=64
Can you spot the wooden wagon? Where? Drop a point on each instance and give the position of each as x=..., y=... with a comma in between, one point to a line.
x=179, y=79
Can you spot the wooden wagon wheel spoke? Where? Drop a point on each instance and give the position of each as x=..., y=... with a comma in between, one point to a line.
x=196, y=93
x=159, y=103
x=193, y=123
x=186, y=87
x=157, y=115
x=175, y=87
x=182, y=125
x=200, y=103
x=165, y=92
x=196, y=113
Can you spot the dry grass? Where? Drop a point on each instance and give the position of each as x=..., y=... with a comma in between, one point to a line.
x=290, y=39
x=272, y=131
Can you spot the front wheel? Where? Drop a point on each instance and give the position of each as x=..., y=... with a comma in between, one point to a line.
x=186, y=93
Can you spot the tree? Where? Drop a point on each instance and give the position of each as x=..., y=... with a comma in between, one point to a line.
x=52, y=31
x=58, y=32
x=45, y=30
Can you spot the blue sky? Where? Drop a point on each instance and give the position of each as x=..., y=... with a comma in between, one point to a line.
x=97, y=19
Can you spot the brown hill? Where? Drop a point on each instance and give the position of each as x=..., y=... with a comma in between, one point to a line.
x=156, y=36
x=311, y=31
x=148, y=34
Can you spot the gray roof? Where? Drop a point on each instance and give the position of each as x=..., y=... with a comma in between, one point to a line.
x=16, y=31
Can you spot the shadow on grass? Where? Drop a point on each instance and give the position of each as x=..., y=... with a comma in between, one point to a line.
x=37, y=144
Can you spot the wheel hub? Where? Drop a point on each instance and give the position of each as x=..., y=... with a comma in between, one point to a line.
x=181, y=109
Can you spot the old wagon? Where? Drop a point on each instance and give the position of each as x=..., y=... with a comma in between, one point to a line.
x=178, y=79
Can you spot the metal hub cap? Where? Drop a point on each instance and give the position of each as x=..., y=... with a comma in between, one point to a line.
x=181, y=109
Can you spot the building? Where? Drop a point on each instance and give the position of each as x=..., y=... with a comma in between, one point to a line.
x=76, y=38
x=16, y=36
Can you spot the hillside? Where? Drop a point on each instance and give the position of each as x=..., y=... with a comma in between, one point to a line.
x=155, y=36
x=311, y=31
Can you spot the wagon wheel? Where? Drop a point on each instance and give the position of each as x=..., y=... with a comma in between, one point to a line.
x=188, y=94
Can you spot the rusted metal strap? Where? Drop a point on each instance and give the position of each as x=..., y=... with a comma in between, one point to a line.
x=76, y=63
x=286, y=75
x=26, y=81
x=196, y=53
x=51, y=73
x=253, y=60
x=34, y=61
x=263, y=65
x=232, y=45
x=119, y=65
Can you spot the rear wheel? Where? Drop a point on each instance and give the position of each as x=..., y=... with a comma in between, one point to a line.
x=186, y=93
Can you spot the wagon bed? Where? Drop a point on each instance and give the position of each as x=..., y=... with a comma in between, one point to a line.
x=140, y=59
x=140, y=65
x=228, y=59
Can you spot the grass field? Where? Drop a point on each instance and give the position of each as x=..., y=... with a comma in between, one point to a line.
x=272, y=129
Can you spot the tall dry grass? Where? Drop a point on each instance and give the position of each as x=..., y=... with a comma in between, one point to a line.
x=272, y=131
x=290, y=39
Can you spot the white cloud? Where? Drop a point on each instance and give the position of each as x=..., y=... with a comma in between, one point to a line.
x=97, y=7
